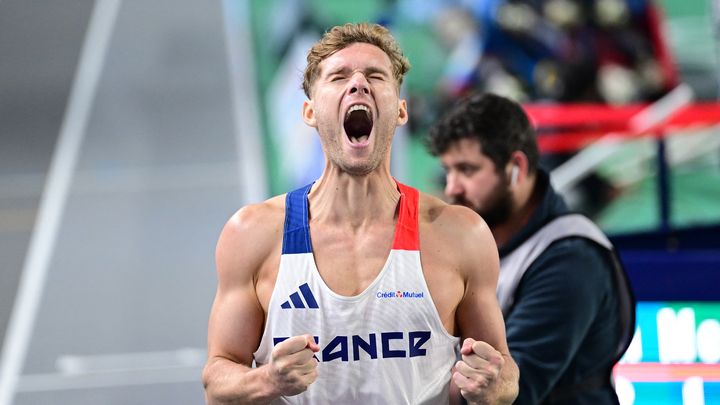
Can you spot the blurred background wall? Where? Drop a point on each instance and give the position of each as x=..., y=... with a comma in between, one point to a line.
x=121, y=157
x=130, y=131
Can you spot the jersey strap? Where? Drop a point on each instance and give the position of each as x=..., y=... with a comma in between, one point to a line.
x=296, y=235
x=406, y=231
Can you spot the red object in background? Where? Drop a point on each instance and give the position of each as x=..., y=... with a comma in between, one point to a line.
x=566, y=128
x=663, y=372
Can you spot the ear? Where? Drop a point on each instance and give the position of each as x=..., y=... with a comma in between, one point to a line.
x=308, y=114
x=518, y=167
x=402, y=113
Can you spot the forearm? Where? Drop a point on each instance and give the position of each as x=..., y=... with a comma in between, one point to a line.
x=230, y=383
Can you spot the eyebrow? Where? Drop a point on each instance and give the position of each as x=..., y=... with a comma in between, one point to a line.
x=368, y=71
x=462, y=163
x=372, y=69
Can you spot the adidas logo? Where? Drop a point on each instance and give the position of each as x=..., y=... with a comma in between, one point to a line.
x=296, y=302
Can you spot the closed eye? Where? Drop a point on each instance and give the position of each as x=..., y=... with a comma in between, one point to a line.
x=467, y=170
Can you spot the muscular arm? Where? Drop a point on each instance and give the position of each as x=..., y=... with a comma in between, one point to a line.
x=462, y=241
x=246, y=243
x=479, y=316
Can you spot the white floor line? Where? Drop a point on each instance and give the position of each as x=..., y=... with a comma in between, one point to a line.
x=112, y=362
x=107, y=379
x=52, y=203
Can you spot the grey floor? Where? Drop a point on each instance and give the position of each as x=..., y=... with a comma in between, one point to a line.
x=126, y=277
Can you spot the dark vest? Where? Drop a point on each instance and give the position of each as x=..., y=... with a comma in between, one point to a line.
x=514, y=265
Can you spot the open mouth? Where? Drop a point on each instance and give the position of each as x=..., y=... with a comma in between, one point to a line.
x=358, y=123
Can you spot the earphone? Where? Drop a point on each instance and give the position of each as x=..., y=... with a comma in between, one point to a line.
x=514, y=175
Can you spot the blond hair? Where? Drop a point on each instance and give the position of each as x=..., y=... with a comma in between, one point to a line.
x=340, y=37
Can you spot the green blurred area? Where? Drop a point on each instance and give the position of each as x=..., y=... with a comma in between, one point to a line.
x=695, y=189
x=695, y=200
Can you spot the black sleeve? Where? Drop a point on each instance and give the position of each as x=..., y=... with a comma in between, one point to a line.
x=555, y=304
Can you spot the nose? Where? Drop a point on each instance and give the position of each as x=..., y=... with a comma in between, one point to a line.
x=358, y=84
x=453, y=188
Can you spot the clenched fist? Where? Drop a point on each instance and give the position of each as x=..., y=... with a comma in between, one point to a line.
x=292, y=367
x=478, y=370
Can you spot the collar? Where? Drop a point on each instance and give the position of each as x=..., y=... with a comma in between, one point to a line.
x=551, y=206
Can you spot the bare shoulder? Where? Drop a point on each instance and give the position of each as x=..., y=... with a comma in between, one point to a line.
x=455, y=233
x=454, y=222
x=250, y=237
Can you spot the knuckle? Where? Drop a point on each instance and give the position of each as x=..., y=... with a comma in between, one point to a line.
x=472, y=388
x=490, y=370
x=274, y=356
x=281, y=367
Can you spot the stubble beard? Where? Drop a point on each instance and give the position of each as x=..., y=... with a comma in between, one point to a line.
x=333, y=147
x=498, y=208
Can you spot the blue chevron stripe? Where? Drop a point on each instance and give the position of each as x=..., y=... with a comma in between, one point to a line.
x=308, y=295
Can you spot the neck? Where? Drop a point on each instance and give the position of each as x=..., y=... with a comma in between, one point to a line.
x=524, y=205
x=338, y=197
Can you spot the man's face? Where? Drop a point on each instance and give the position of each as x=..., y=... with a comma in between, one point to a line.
x=355, y=107
x=473, y=181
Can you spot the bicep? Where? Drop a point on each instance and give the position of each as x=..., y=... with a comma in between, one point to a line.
x=236, y=318
x=478, y=314
x=235, y=324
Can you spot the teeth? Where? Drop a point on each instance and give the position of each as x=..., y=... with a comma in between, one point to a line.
x=361, y=138
x=357, y=107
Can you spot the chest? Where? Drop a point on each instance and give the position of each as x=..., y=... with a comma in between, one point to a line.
x=350, y=261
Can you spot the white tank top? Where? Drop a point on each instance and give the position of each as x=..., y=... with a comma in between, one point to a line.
x=385, y=345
